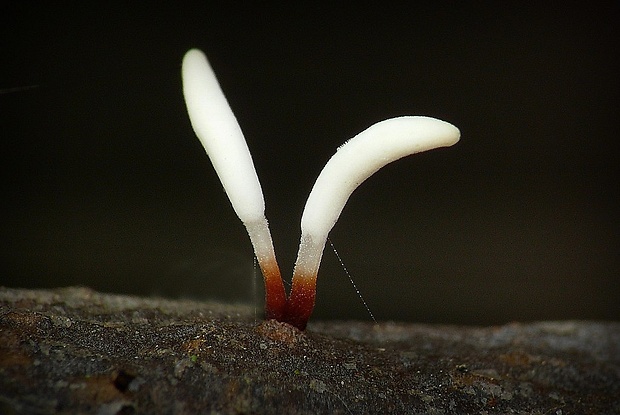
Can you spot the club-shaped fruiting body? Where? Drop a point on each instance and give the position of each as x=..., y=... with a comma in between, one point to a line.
x=218, y=130
x=355, y=161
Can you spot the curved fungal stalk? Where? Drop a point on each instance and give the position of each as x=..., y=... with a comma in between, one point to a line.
x=353, y=163
x=218, y=130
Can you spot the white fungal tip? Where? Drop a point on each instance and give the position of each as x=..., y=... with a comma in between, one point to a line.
x=218, y=130
x=362, y=156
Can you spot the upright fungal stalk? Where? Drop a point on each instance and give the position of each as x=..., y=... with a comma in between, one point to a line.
x=354, y=162
x=218, y=130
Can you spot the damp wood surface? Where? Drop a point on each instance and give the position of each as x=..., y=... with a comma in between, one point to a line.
x=77, y=351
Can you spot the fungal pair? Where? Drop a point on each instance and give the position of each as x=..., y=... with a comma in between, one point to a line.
x=218, y=130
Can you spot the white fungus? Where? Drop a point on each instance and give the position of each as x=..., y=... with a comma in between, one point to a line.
x=218, y=130
x=354, y=162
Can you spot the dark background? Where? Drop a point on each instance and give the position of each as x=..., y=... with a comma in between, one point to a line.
x=105, y=185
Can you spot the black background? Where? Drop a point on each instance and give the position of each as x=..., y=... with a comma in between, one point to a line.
x=105, y=185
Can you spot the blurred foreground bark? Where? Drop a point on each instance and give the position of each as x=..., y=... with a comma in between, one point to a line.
x=78, y=351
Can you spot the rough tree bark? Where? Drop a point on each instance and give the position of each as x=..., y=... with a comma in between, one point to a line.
x=74, y=350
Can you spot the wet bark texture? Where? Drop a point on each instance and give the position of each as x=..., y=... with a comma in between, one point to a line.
x=78, y=351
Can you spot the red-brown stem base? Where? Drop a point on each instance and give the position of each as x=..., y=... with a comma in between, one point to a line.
x=296, y=309
x=275, y=295
x=300, y=304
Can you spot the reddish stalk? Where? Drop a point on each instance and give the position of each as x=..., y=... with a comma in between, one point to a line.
x=300, y=303
x=275, y=295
